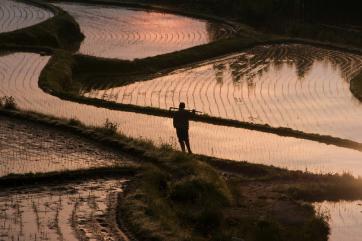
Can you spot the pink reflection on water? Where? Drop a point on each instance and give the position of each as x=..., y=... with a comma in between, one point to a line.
x=15, y=15
x=20, y=73
x=297, y=86
x=115, y=32
x=345, y=219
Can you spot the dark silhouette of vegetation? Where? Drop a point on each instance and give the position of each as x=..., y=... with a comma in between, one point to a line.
x=16, y=180
x=8, y=102
x=333, y=21
x=267, y=11
x=110, y=127
x=356, y=86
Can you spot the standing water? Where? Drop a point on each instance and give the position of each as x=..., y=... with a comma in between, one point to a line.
x=345, y=219
x=16, y=15
x=115, y=32
x=21, y=72
x=297, y=86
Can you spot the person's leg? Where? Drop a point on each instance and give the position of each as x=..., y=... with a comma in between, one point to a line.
x=188, y=146
x=182, y=144
x=187, y=141
x=180, y=139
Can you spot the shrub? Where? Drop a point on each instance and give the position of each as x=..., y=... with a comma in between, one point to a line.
x=110, y=127
x=8, y=102
x=197, y=191
x=317, y=229
x=267, y=231
x=208, y=221
x=74, y=122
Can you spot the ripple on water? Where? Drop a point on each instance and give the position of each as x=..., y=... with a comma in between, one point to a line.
x=21, y=72
x=297, y=86
x=345, y=219
x=62, y=212
x=15, y=15
x=116, y=32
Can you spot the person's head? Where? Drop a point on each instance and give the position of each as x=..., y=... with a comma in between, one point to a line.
x=182, y=106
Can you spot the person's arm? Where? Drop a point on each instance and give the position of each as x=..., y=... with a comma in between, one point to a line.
x=192, y=113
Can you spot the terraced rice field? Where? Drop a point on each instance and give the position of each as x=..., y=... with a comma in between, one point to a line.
x=27, y=147
x=345, y=219
x=85, y=211
x=20, y=79
x=116, y=32
x=16, y=15
x=298, y=86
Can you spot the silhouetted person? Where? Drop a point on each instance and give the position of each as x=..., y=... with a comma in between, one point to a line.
x=181, y=123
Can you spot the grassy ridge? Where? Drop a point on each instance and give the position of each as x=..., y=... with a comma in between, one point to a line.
x=94, y=69
x=181, y=198
x=16, y=180
x=60, y=31
x=57, y=78
x=356, y=86
x=57, y=75
x=185, y=197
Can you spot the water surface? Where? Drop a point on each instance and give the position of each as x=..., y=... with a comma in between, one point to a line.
x=116, y=32
x=20, y=73
x=78, y=211
x=297, y=86
x=16, y=15
x=345, y=219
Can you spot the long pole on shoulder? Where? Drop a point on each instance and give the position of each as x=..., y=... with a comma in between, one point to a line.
x=176, y=109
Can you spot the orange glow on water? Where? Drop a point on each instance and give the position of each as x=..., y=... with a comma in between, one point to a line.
x=114, y=32
x=21, y=81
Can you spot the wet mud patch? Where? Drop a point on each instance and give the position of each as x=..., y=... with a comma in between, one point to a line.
x=84, y=211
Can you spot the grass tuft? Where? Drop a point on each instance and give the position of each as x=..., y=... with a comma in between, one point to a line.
x=8, y=102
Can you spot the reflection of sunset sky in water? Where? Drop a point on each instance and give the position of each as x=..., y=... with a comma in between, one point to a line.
x=116, y=32
x=16, y=15
x=345, y=219
x=301, y=87
x=21, y=72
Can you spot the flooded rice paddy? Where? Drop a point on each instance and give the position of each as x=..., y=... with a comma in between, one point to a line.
x=20, y=72
x=345, y=219
x=16, y=15
x=297, y=86
x=85, y=211
x=116, y=32
x=27, y=147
